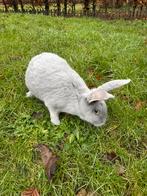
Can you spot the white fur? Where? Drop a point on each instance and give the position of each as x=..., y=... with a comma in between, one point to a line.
x=52, y=80
x=108, y=86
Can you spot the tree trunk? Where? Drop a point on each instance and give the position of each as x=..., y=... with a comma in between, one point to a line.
x=86, y=6
x=65, y=7
x=6, y=9
x=58, y=8
x=46, y=7
x=15, y=5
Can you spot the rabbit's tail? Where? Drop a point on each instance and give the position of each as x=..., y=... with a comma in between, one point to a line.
x=29, y=94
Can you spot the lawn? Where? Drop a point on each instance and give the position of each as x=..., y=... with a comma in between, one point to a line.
x=99, y=51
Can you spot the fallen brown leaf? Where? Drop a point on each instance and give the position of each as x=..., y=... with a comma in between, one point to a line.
x=121, y=170
x=30, y=192
x=99, y=77
x=125, y=97
x=91, y=71
x=111, y=156
x=83, y=192
x=139, y=105
x=48, y=158
x=91, y=194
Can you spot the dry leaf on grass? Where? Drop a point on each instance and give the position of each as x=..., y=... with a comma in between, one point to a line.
x=139, y=105
x=90, y=70
x=30, y=192
x=121, y=170
x=49, y=160
x=83, y=192
x=111, y=156
x=126, y=97
x=91, y=194
x=99, y=77
x=93, y=73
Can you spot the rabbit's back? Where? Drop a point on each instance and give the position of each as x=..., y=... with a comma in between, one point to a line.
x=49, y=76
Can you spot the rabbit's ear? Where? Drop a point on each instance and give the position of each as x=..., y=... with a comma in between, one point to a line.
x=98, y=95
x=108, y=86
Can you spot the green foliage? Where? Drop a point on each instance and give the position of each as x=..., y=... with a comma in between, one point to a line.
x=109, y=49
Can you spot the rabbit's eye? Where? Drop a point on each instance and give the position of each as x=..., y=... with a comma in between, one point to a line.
x=96, y=111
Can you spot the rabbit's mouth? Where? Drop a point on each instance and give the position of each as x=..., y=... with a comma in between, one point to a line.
x=95, y=123
x=99, y=125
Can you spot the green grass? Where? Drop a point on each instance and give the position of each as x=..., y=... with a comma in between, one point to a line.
x=95, y=49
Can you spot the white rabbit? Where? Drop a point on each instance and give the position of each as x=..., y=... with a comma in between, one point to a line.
x=53, y=81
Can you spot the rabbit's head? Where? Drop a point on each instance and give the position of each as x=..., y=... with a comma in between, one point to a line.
x=93, y=108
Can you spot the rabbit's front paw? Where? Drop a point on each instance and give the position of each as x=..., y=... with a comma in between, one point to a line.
x=54, y=115
x=55, y=121
x=29, y=94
